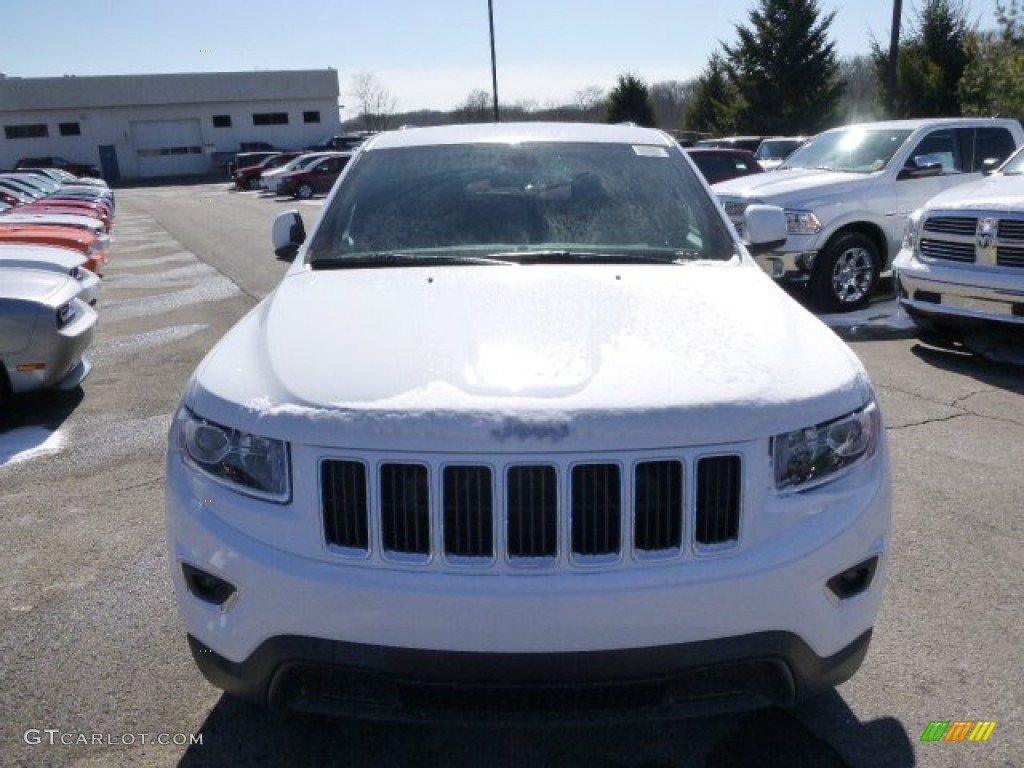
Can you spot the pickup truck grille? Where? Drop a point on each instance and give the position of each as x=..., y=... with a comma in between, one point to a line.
x=946, y=250
x=580, y=513
x=988, y=238
x=952, y=225
x=735, y=209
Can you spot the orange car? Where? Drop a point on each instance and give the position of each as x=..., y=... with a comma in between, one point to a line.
x=92, y=246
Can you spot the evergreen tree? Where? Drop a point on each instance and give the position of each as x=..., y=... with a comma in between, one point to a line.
x=993, y=80
x=784, y=69
x=709, y=108
x=630, y=102
x=932, y=61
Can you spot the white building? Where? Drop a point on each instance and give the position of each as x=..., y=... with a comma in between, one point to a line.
x=138, y=126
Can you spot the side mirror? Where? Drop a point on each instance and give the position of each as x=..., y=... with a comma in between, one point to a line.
x=764, y=227
x=922, y=166
x=989, y=165
x=288, y=234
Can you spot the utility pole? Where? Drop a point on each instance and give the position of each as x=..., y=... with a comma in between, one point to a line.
x=894, y=53
x=494, y=62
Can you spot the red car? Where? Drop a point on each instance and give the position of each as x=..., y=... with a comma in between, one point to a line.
x=720, y=164
x=249, y=177
x=318, y=178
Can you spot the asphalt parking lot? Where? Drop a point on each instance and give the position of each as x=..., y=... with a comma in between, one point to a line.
x=91, y=644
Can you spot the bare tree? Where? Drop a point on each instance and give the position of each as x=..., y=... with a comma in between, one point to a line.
x=592, y=103
x=861, y=101
x=671, y=97
x=376, y=104
x=476, y=108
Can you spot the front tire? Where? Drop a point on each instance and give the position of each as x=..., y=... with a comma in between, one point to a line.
x=845, y=273
x=304, y=191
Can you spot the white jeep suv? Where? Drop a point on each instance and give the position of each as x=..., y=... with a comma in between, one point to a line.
x=848, y=193
x=525, y=431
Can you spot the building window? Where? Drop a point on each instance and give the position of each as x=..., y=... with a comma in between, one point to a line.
x=270, y=118
x=311, y=117
x=35, y=131
x=165, y=151
x=70, y=129
x=222, y=121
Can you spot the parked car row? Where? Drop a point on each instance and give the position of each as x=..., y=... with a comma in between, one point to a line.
x=848, y=193
x=293, y=174
x=54, y=236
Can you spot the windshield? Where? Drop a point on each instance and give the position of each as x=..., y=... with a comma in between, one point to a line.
x=853, y=150
x=1014, y=166
x=776, y=149
x=528, y=202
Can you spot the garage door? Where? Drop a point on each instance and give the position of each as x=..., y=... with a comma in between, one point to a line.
x=168, y=147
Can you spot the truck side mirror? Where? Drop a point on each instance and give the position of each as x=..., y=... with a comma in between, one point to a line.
x=921, y=166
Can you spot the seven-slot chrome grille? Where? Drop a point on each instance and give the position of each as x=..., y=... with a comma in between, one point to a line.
x=992, y=239
x=576, y=513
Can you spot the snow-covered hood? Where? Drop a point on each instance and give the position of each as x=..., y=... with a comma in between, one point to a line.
x=478, y=358
x=62, y=259
x=54, y=219
x=993, y=193
x=796, y=186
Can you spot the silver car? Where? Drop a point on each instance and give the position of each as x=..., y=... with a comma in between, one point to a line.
x=44, y=332
x=52, y=258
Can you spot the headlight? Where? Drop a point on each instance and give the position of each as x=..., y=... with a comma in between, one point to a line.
x=99, y=245
x=65, y=315
x=802, y=222
x=248, y=463
x=912, y=230
x=811, y=456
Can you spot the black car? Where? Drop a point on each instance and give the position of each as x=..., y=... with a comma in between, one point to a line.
x=78, y=169
x=345, y=142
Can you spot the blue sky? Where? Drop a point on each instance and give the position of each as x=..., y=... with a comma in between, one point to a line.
x=428, y=54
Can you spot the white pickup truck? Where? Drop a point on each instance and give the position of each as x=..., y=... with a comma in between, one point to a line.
x=849, y=191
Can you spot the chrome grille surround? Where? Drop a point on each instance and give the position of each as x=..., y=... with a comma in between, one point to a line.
x=514, y=512
x=986, y=238
x=735, y=207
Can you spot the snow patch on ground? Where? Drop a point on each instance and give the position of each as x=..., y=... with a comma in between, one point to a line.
x=213, y=289
x=880, y=319
x=25, y=443
x=114, y=350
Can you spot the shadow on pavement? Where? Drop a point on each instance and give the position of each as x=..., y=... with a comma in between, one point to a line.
x=992, y=355
x=29, y=423
x=237, y=733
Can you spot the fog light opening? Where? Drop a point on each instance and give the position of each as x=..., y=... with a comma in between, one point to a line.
x=854, y=580
x=805, y=261
x=207, y=587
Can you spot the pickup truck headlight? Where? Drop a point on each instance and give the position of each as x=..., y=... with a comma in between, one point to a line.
x=912, y=230
x=814, y=455
x=802, y=222
x=248, y=463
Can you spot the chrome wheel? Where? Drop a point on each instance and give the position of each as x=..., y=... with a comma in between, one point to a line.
x=853, y=276
x=845, y=272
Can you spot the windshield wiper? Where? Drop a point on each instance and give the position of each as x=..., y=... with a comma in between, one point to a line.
x=570, y=256
x=385, y=259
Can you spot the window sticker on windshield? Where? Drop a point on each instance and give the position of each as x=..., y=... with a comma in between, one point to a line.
x=646, y=150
